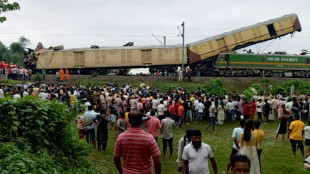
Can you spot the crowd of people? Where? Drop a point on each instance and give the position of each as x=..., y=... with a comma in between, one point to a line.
x=14, y=72
x=138, y=114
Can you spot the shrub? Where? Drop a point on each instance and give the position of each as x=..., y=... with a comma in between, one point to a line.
x=37, y=77
x=44, y=126
x=94, y=74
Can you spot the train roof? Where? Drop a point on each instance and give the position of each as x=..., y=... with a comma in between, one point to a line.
x=242, y=29
x=121, y=48
x=267, y=54
x=179, y=45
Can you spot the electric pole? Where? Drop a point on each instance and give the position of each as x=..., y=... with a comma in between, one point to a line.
x=183, y=25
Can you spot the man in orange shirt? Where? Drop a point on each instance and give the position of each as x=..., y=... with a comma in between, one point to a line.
x=61, y=74
x=67, y=74
x=296, y=135
x=180, y=114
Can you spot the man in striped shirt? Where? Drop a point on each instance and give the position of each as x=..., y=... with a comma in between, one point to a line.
x=138, y=149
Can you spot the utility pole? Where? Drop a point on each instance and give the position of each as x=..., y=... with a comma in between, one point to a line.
x=183, y=24
x=154, y=35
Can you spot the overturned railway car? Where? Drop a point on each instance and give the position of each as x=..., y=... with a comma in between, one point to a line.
x=269, y=65
x=200, y=55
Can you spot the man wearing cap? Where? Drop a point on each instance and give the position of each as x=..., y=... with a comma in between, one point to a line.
x=133, y=102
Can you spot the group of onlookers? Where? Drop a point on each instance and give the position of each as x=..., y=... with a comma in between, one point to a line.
x=127, y=109
x=14, y=72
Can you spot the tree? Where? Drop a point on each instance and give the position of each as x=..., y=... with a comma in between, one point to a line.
x=20, y=46
x=14, y=53
x=5, y=6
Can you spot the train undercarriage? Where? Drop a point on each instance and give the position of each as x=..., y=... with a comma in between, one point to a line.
x=261, y=73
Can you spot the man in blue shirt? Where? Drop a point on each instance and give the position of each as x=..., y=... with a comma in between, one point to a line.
x=89, y=116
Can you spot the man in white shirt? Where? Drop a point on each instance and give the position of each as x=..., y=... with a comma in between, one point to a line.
x=160, y=110
x=167, y=134
x=1, y=92
x=236, y=138
x=154, y=104
x=196, y=154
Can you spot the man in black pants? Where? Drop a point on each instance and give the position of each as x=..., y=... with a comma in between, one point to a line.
x=167, y=134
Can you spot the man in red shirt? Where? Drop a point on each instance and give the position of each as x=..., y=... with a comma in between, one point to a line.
x=138, y=149
x=252, y=109
x=10, y=73
x=172, y=110
x=246, y=110
x=1, y=67
x=153, y=125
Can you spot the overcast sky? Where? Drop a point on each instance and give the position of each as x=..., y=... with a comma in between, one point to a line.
x=81, y=23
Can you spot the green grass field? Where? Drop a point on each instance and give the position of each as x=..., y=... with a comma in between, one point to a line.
x=276, y=157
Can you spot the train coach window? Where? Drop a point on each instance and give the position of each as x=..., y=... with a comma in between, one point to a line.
x=271, y=30
x=308, y=61
x=264, y=58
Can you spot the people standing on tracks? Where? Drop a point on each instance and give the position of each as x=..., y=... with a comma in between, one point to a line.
x=198, y=76
x=180, y=74
x=43, y=74
x=67, y=74
x=57, y=76
x=61, y=74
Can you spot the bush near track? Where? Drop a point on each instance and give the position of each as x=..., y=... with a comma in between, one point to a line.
x=37, y=137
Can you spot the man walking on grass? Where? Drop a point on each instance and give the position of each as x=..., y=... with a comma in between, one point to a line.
x=167, y=134
x=152, y=125
x=138, y=149
x=296, y=135
x=196, y=154
x=236, y=138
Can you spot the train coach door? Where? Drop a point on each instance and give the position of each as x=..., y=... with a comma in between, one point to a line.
x=146, y=56
x=271, y=30
x=79, y=59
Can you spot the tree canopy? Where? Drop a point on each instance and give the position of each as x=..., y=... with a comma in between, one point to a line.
x=5, y=6
x=15, y=52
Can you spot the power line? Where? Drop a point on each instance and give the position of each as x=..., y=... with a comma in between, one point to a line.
x=115, y=35
x=105, y=28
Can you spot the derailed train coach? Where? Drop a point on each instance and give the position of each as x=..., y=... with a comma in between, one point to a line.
x=199, y=55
